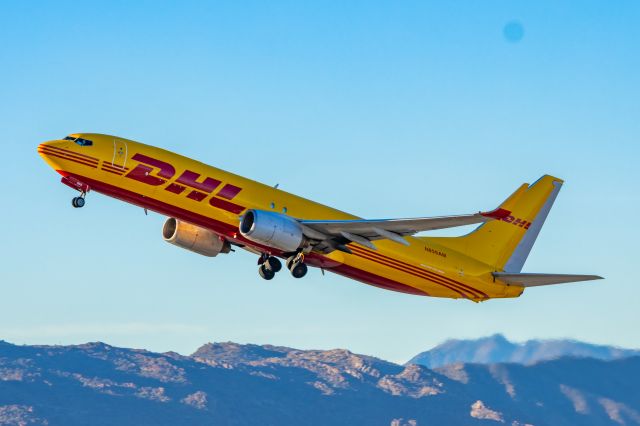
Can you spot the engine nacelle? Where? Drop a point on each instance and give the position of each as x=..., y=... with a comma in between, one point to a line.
x=272, y=229
x=194, y=238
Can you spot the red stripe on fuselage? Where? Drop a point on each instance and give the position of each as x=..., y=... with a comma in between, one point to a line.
x=118, y=168
x=231, y=232
x=226, y=205
x=410, y=272
x=115, y=172
x=429, y=274
x=67, y=151
x=375, y=280
x=111, y=171
x=65, y=157
x=448, y=280
x=49, y=151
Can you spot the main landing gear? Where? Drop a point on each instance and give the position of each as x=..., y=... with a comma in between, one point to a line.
x=78, y=202
x=269, y=265
x=296, y=265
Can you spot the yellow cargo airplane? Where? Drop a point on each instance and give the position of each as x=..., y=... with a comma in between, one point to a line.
x=211, y=210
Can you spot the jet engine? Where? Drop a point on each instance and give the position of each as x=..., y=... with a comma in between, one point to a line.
x=194, y=238
x=272, y=229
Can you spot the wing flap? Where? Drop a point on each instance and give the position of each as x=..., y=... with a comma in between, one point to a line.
x=534, y=280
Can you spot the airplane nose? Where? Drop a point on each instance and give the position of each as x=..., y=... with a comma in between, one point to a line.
x=47, y=149
x=52, y=145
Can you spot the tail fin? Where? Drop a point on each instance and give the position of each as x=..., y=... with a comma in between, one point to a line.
x=505, y=244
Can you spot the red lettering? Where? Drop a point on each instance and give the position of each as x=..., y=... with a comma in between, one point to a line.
x=196, y=195
x=190, y=179
x=162, y=172
x=175, y=188
x=142, y=172
x=509, y=219
x=229, y=191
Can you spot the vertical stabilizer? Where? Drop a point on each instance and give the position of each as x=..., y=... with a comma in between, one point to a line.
x=505, y=244
x=520, y=254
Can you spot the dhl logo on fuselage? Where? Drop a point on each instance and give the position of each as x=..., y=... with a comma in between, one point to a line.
x=200, y=189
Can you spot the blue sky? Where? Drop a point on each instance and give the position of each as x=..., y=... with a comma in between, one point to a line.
x=382, y=109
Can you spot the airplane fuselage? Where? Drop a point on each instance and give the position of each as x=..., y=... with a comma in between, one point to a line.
x=211, y=198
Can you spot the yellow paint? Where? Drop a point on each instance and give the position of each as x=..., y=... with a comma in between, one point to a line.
x=469, y=260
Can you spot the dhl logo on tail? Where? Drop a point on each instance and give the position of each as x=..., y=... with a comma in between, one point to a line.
x=516, y=221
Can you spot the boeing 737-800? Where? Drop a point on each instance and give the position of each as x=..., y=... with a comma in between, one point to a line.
x=210, y=210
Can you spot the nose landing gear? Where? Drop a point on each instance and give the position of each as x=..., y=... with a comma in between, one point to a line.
x=83, y=188
x=78, y=202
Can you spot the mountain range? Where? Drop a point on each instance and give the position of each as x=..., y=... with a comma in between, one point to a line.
x=234, y=384
x=496, y=348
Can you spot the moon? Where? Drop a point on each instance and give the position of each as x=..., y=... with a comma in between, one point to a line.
x=513, y=31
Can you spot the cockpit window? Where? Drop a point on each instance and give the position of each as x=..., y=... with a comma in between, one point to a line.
x=84, y=142
x=79, y=141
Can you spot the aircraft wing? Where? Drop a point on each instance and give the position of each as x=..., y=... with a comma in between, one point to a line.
x=334, y=234
x=533, y=280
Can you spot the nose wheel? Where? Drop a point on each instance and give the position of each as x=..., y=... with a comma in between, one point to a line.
x=78, y=202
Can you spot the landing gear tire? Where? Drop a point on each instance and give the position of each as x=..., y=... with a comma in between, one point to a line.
x=77, y=202
x=298, y=270
x=265, y=272
x=274, y=264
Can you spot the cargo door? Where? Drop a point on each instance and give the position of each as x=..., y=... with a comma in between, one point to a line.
x=120, y=154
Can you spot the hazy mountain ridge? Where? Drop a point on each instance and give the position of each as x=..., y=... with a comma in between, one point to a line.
x=232, y=384
x=496, y=349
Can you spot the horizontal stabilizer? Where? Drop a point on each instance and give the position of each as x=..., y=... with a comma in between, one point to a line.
x=533, y=280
